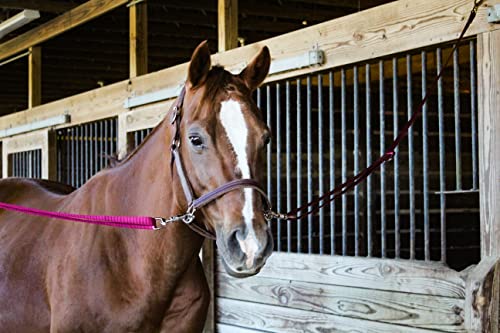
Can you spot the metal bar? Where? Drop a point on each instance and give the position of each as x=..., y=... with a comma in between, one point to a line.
x=59, y=143
x=106, y=143
x=458, y=132
x=76, y=156
x=299, y=164
x=96, y=147
x=309, y=161
x=332, y=157
x=473, y=111
x=395, y=161
x=71, y=157
x=411, y=167
x=425, y=162
x=269, y=147
x=91, y=149
x=278, y=163
x=86, y=155
x=357, y=235
x=369, y=189
x=343, y=132
x=288, y=129
x=66, y=156
x=442, y=158
x=320, y=162
x=101, y=144
x=383, y=219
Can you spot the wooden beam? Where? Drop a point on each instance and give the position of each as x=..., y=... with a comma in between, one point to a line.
x=228, y=24
x=408, y=309
x=35, y=77
x=418, y=277
x=138, y=39
x=488, y=60
x=48, y=6
x=482, y=299
x=269, y=318
x=73, y=18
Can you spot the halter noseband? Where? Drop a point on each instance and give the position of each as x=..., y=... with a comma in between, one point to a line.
x=196, y=203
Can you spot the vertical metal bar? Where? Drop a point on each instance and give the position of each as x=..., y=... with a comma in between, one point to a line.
x=90, y=140
x=96, y=147
x=67, y=174
x=137, y=140
x=76, y=156
x=71, y=157
x=473, y=112
x=82, y=155
x=331, y=149
x=113, y=137
x=442, y=158
x=106, y=143
x=458, y=134
x=383, y=220
x=278, y=163
x=425, y=162
x=86, y=155
x=395, y=125
x=320, y=162
x=309, y=161
x=269, y=147
x=411, y=167
x=369, y=189
x=101, y=144
x=357, y=235
x=28, y=163
x=288, y=129
x=343, y=132
x=59, y=143
x=299, y=164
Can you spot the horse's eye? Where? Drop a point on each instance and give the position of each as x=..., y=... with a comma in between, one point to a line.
x=196, y=141
x=267, y=139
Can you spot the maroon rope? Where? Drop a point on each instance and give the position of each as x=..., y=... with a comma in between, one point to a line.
x=319, y=202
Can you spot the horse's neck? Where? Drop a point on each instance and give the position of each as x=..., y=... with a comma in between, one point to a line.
x=143, y=185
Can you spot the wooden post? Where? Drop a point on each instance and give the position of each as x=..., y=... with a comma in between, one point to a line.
x=489, y=138
x=482, y=297
x=228, y=24
x=35, y=77
x=49, y=156
x=138, y=39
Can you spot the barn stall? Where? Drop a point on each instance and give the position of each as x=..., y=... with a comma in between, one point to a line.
x=415, y=248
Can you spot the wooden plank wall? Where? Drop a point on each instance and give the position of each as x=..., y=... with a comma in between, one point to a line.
x=300, y=292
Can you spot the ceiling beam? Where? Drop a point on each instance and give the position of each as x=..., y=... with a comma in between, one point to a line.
x=48, y=6
x=73, y=18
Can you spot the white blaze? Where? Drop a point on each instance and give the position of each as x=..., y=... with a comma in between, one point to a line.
x=234, y=124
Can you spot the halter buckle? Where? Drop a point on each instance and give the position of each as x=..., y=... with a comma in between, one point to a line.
x=269, y=215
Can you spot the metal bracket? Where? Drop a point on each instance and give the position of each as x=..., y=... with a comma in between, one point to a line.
x=494, y=14
x=314, y=57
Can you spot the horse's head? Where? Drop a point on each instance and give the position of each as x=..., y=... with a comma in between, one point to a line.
x=223, y=138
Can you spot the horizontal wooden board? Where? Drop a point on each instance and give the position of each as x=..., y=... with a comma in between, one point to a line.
x=285, y=320
x=431, y=312
x=223, y=328
x=382, y=274
x=395, y=27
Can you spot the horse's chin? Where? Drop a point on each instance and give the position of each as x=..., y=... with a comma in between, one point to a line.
x=240, y=274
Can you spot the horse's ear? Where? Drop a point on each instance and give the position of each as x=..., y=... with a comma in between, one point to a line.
x=200, y=65
x=257, y=70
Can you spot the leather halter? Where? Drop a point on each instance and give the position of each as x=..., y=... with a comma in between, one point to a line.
x=196, y=203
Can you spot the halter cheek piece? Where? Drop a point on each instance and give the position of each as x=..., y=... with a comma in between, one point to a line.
x=196, y=203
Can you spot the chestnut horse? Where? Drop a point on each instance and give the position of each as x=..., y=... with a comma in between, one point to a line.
x=58, y=276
